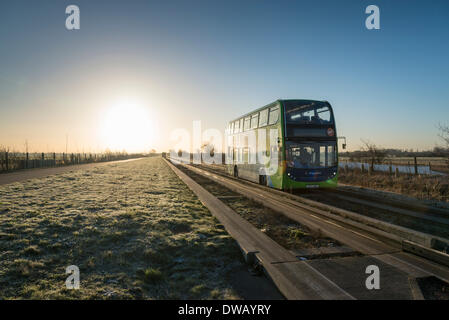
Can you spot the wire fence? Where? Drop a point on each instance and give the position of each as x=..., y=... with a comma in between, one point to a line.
x=11, y=161
x=396, y=166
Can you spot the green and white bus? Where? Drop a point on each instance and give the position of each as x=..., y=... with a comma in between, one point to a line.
x=297, y=138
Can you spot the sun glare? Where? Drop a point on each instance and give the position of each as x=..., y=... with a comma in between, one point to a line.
x=127, y=126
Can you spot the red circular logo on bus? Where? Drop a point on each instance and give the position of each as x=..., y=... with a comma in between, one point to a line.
x=330, y=132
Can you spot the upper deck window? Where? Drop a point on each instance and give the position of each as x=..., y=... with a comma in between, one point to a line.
x=311, y=112
x=236, y=126
x=263, y=118
x=254, y=121
x=247, y=124
x=274, y=115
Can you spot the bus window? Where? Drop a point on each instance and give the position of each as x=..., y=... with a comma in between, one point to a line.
x=311, y=155
x=236, y=126
x=254, y=121
x=314, y=113
x=274, y=115
x=263, y=118
x=241, y=125
x=247, y=123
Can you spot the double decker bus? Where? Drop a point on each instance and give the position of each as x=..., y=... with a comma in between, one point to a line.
x=303, y=153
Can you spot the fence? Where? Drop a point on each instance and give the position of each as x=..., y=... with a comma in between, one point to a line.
x=10, y=161
x=409, y=167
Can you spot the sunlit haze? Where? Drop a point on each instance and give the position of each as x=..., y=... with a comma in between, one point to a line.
x=128, y=125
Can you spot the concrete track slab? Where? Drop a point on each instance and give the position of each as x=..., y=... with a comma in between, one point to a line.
x=349, y=273
x=293, y=279
x=415, y=266
x=345, y=277
x=302, y=213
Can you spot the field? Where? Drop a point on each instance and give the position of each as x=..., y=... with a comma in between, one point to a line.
x=424, y=187
x=440, y=164
x=133, y=229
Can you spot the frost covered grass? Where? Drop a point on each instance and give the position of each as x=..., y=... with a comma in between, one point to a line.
x=424, y=187
x=134, y=230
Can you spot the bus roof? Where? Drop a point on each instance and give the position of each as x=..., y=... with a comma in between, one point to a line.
x=293, y=101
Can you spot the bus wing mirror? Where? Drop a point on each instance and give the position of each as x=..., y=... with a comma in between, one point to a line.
x=343, y=145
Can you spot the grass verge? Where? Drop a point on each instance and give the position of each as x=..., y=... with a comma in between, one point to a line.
x=133, y=229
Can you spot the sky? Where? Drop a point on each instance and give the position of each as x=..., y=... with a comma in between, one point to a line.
x=173, y=62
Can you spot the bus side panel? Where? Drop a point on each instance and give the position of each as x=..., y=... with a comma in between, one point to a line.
x=276, y=180
x=252, y=171
x=330, y=183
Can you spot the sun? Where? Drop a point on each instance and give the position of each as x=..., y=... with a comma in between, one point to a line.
x=127, y=125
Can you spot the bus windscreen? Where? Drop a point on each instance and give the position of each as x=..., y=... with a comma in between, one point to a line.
x=309, y=113
x=311, y=155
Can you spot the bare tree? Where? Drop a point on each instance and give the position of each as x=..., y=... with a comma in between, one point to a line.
x=209, y=148
x=3, y=150
x=376, y=155
x=444, y=133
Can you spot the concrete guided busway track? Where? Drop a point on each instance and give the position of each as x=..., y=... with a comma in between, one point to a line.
x=295, y=279
x=398, y=269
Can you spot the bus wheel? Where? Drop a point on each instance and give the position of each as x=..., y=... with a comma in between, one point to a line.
x=236, y=172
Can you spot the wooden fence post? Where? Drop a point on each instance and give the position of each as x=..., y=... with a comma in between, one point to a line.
x=54, y=159
x=26, y=160
x=42, y=160
x=416, y=166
